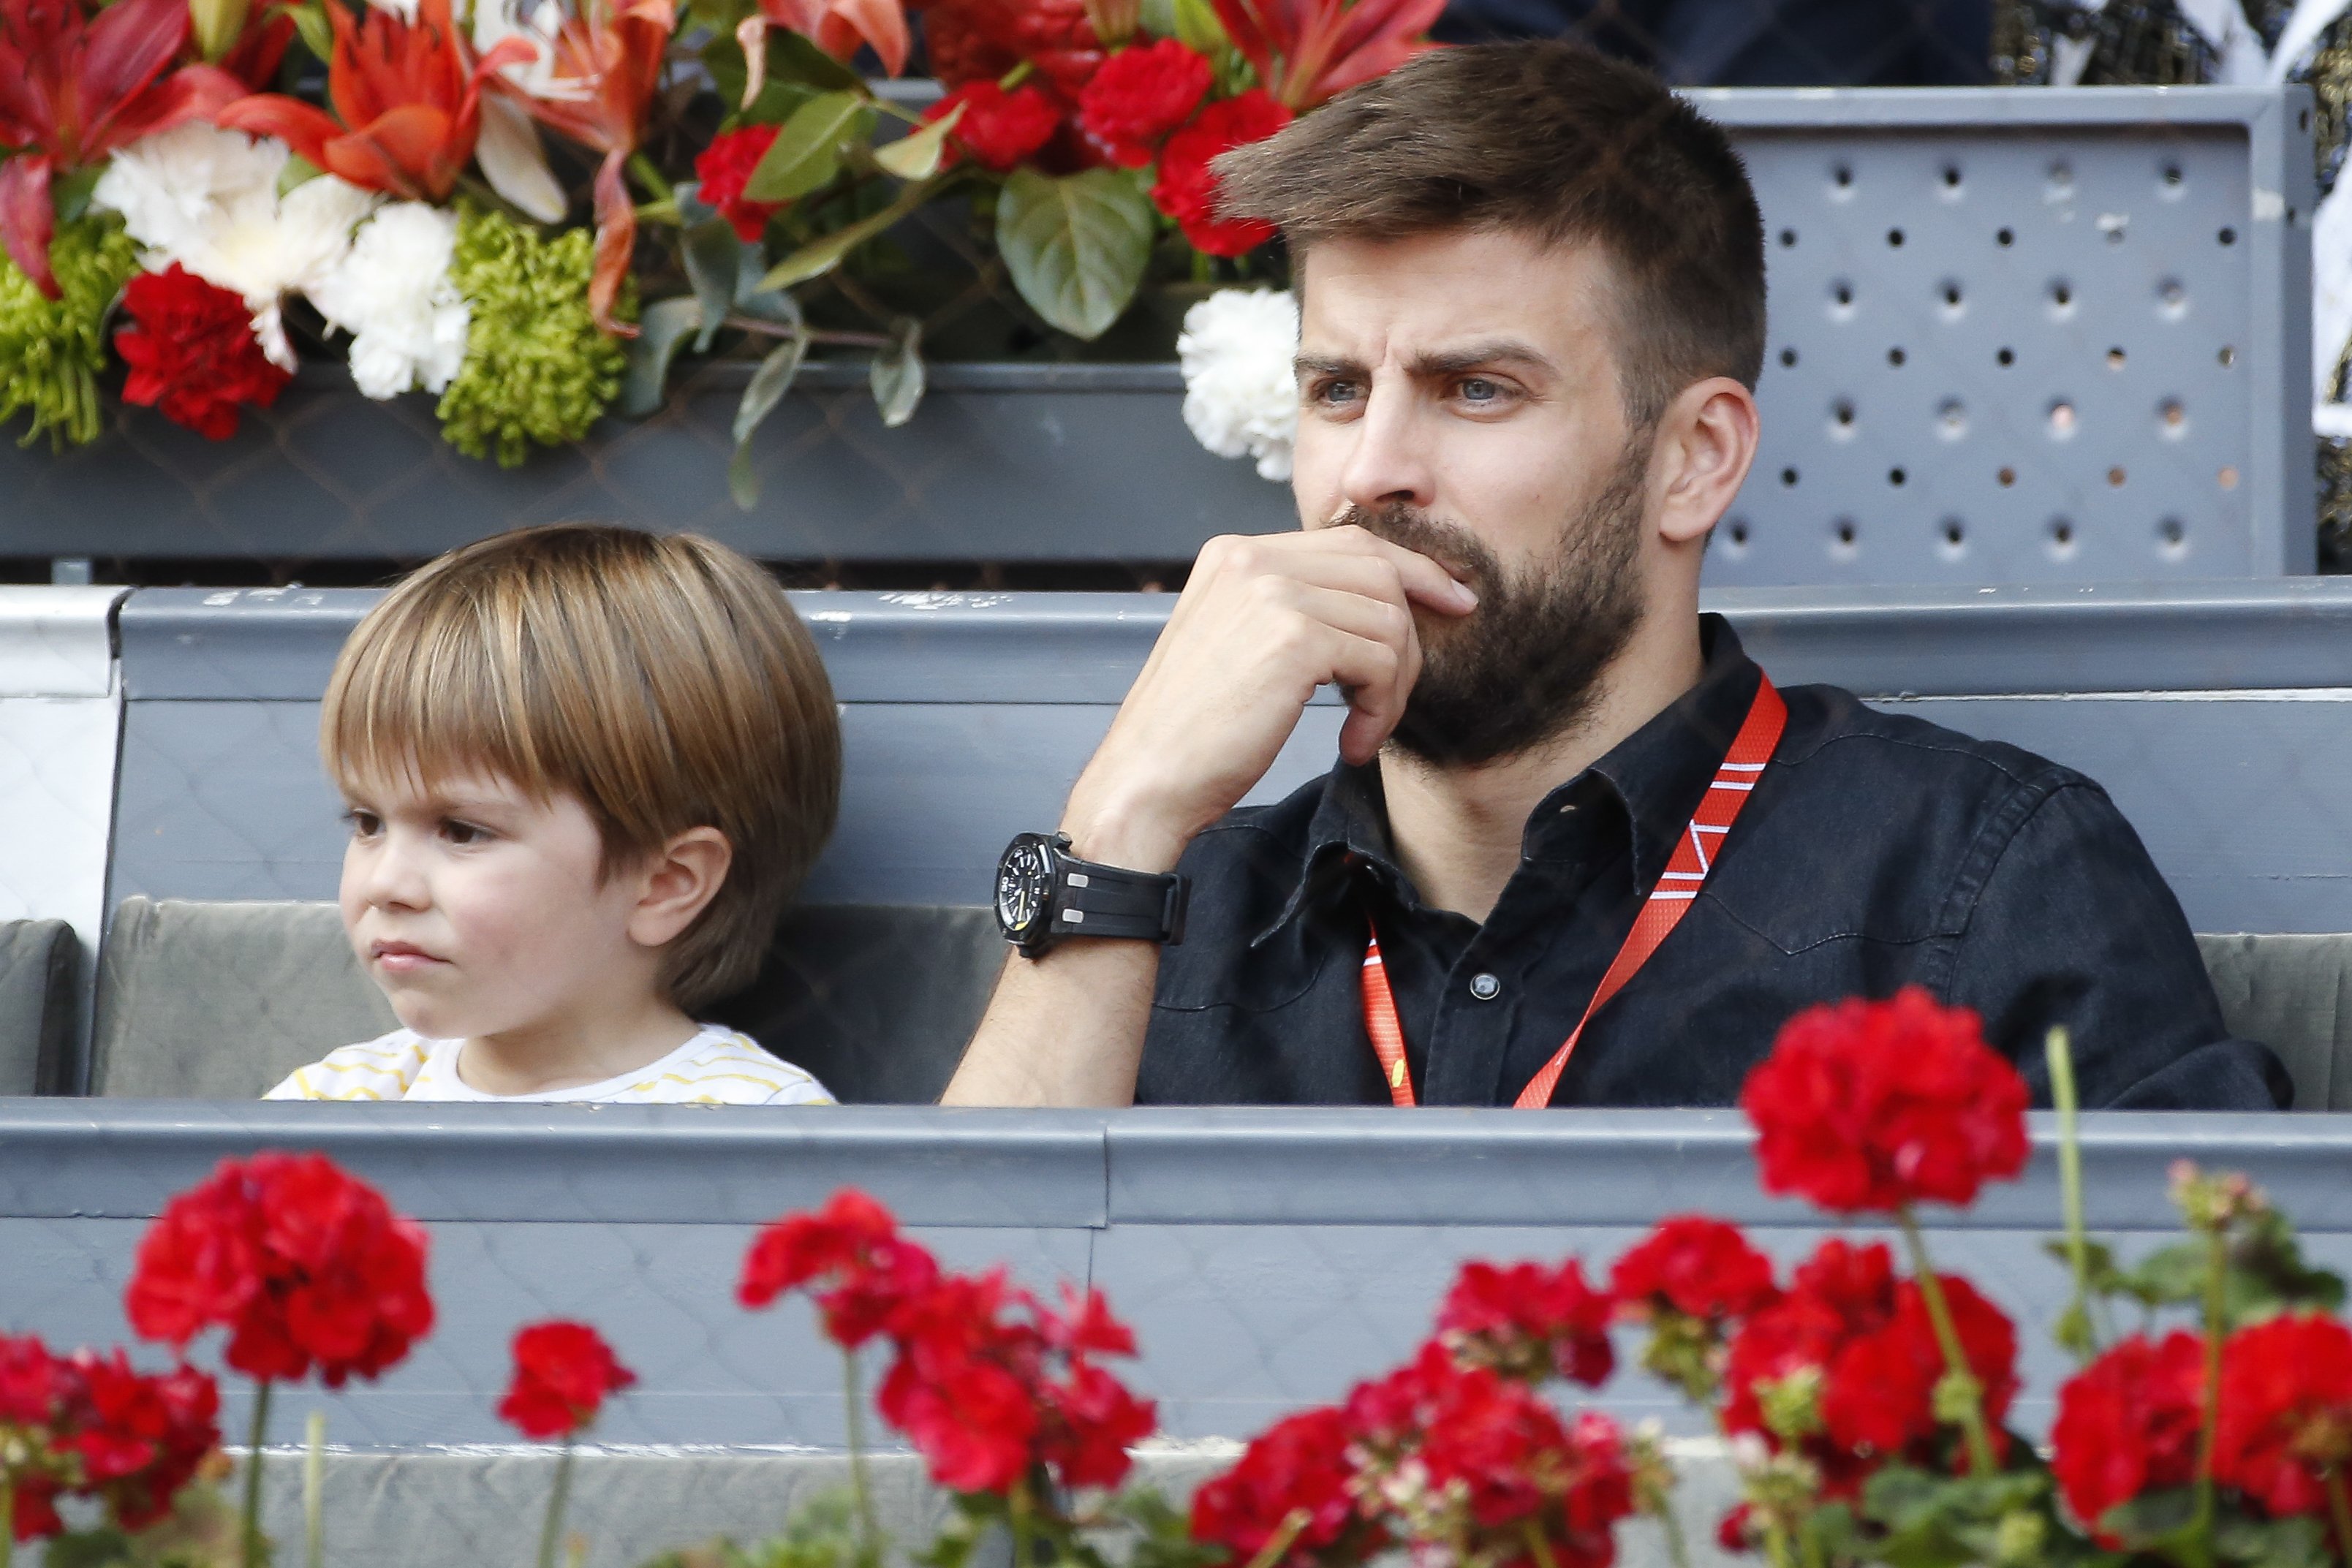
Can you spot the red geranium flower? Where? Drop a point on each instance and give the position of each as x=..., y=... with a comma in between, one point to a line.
x=1140, y=95
x=302, y=1263
x=2129, y=1425
x=1699, y=1266
x=192, y=354
x=725, y=167
x=1839, y=1294
x=1187, y=189
x=853, y=1243
x=1530, y=1320
x=562, y=1372
x=1299, y=1464
x=89, y=1425
x=1870, y=1106
x=2286, y=1410
x=1880, y=1394
x=999, y=128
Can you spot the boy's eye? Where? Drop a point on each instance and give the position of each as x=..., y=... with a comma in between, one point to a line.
x=363, y=824
x=463, y=832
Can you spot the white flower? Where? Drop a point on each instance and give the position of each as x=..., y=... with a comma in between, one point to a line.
x=207, y=199
x=539, y=23
x=1240, y=396
x=392, y=292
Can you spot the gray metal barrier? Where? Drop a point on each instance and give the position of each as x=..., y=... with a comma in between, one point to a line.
x=2216, y=714
x=2019, y=335
x=1267, y=1257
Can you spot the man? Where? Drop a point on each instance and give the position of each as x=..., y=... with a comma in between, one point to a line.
x=1532, y=317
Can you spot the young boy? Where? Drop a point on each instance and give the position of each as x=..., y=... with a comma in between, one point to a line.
x=585, y=767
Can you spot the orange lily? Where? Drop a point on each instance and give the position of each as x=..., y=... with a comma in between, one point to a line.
x=840, y=27
x=1306, y=51
x=73, y=88
x=406, y=100
x=595, y=88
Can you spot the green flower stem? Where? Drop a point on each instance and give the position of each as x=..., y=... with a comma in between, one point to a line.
x=854, y=1400
x=551, y=1531
x=2217, y=1273
x=1012, y=79
x=1025, y=1546
x=7, y=1521
x=1537, y=1544
x=1939, y=1315
x=2339, y=1508
x=314, y=1486
x=1678, y=1549
x=256, y=1434
x=1776, y=1545
x=651, y=178
x=1277, y=1547
x=2060, y=1053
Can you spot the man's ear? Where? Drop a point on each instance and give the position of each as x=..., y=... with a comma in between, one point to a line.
x=1707, y=443
x=678, y=882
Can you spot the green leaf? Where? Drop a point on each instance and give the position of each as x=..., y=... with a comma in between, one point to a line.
x=2300, y=1541
x=768, y=385
x=713, y=258
x=820, y=256
x=897, y=375
x=917, y=154
x=806, y=154
x=1076, y=246
x=1198, y=28
x=661, y=328
x=296, y=172
x=70, y=192
x=793, y=56
x=311, y=22
x=2168, y=1276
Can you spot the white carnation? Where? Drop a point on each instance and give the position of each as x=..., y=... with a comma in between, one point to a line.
x=1241, y=395
x=207, y=199
x=392, y=292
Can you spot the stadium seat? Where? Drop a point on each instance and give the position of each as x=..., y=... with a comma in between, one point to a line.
x=37, y=961
x=218, y=1001
x=2293, y=991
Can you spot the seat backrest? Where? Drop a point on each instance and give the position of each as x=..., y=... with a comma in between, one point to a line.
x=2293, y=991
x=38, y=961
x=219, y=1001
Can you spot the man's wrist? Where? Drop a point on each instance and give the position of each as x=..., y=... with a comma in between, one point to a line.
x=1129, y=840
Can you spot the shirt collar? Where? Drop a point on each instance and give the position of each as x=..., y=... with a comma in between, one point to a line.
x=1659, y=773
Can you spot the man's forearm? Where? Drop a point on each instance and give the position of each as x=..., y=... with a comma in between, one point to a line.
x=1064, y=1030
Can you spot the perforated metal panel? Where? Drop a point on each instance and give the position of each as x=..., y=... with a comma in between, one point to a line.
x=2021, y=335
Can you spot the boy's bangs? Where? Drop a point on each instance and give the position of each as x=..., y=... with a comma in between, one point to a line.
x=427, y=698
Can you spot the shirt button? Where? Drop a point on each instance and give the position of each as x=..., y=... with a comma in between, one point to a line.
x=1485, y=988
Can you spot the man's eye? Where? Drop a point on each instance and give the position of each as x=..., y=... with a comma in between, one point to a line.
x=1478, y=389
x=1335, y=392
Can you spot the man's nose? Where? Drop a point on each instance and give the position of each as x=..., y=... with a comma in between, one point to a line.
x=1389, y=463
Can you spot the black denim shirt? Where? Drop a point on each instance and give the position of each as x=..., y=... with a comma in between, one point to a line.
x=1876, y=852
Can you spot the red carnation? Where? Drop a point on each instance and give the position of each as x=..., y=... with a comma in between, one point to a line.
x=1187, y=189
x=302, y=1263
x=562, y=1372
x=1140, y=95
x=1298, y=1463
x=1530, y=1320
x=1000, y=129
x=725, y=167
x=2286, y=1410
x=973, y=40
x=1699, y=1266
x=1871, y=1106
x=192, y=352
x=2129, y=1425
x=854, y=1244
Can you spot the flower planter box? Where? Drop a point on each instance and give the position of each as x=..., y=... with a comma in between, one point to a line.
x=1002, y=463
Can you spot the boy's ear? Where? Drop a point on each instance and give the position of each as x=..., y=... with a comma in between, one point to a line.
x=681, y=878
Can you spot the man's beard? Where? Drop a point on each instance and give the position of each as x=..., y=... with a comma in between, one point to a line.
x=1525, y=665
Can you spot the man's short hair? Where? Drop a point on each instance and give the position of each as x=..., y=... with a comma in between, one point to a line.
x=1554, y=141
x=666, y=683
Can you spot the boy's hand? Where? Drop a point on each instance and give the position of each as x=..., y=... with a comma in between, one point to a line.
x=1263, y=621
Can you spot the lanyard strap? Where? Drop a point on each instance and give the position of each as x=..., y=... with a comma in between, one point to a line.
x=1685, y=873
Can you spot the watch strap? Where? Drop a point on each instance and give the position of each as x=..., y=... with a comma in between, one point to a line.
x=1093, y=899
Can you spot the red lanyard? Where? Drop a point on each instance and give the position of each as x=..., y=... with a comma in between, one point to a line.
x=1685, y=873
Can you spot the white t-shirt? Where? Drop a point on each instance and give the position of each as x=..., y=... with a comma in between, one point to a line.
x=716, y=1067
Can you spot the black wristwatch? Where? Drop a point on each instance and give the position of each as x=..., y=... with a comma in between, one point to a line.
x=1045, y=896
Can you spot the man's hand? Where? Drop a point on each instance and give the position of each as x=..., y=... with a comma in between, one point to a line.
x=1263, y=621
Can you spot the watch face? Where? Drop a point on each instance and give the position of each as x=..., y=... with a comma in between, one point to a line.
x=1022, y=880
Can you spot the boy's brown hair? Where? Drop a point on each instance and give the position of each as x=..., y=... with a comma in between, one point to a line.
x=1555, y=142
x=665, y=682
